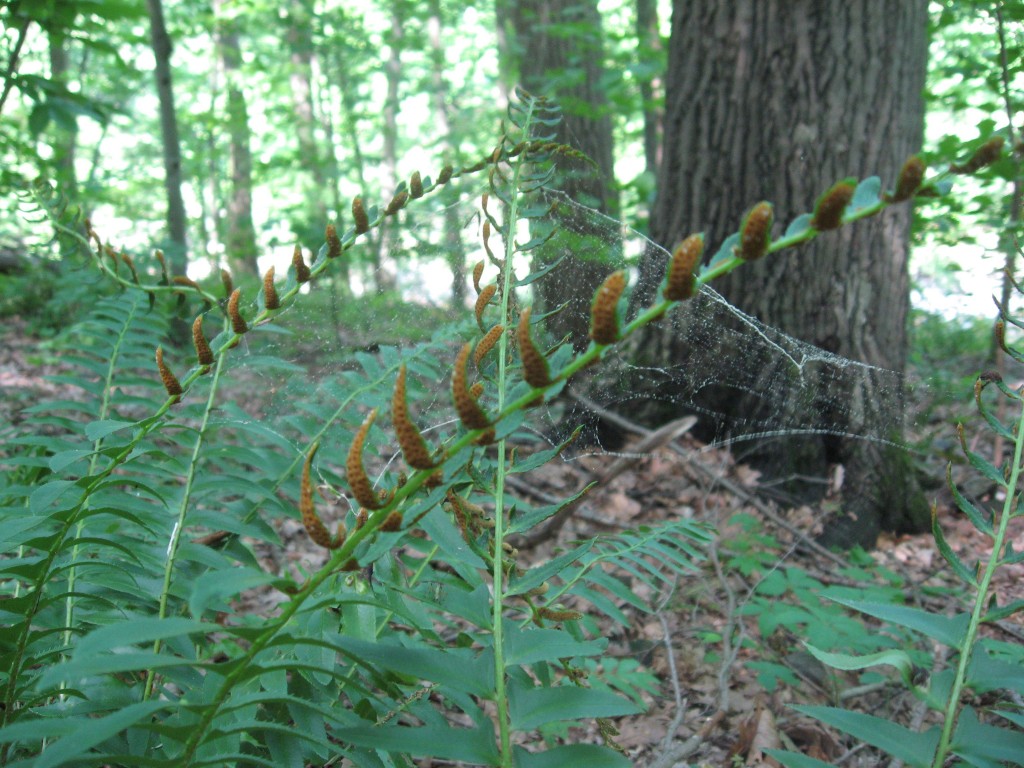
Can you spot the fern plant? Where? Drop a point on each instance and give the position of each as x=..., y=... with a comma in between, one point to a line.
x=129, y=522
x=985, y=736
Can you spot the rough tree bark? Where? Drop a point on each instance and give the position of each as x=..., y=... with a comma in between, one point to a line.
x=177, y=253
x=560, y=54
x=777, y=100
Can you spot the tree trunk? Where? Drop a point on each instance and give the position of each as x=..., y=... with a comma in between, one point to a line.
x=65, y=139
x=454, y=248
x=389, y=233
x=240, y=243
x=649, y=40
x=777, y=100
x=300, y=78
x=548, y=55
x=177, y=250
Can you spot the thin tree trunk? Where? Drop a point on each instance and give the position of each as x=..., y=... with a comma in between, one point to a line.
x=649, y=38
x=545, y=52
x=455, y=250
x=300, y=46
x=777, y=100
x=65, y=137
x=240, y=243
x=177, y=250
x=389, y=235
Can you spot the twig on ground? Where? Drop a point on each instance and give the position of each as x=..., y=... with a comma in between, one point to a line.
x=677, y=721
x=733, y=488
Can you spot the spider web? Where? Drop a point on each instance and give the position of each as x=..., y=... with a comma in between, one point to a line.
x=802, y=392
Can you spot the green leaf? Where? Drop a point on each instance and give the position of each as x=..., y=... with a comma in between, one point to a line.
x=530, y=644
x=44, y=496
x=97, y=430
x=799, y=225
x=892, y=658
x=214, y=586
x=795, y=760
x=1004, y=611
x=865, y=195
x=541, y=573
x=949, y=630
x=470, y=745
x=979, y=743
x=914, y=749
x=135, y=630
x=460, y=668
x=949, y=555
x=88, y=732
x=589, y=755
x=531, y=707
x=981, y=521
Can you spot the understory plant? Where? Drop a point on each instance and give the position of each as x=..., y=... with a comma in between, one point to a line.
x=976, y=695
x=133, y=515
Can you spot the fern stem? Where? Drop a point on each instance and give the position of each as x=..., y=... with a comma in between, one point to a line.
x=108, y=386
x=46, y=572
x=981, y=599
x=183, y=506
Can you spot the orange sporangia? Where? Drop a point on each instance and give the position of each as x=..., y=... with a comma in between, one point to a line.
x=909, y=181
x=131, y=265
x=358, y=480
x=604, y=312
x=486, y=344
x=476, y=390
x=359, y=217
x=416, y=186
x=828, y=213
x=756, y=232
x=361, y=517
x=270, y=297
x=238, y=324
x=349, y=565
x=535, y=365
x=333, y=242
x=478, y=272
x=227, y=282
x=392, y=522
x=203, y=351
x=469, y=411
x=556, y=615
x=302, y=273
x=414, y=447
x=682, y=280
x=445, y=175
x=482, y=301
x=163, y=266
x=397, y=203
x=1000, y=334
x=310, y=520
x=185, y=281
x=455, y=503
x=984, y=155
x=171, y=383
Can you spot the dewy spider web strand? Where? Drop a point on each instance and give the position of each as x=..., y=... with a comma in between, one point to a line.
x=803, y=388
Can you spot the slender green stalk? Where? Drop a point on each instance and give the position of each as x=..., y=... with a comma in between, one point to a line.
x=981, y=599
x=108, y=388
x=183, y=506
x=498, y=558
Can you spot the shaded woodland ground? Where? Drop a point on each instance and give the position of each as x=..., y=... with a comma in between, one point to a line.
x=716, y=684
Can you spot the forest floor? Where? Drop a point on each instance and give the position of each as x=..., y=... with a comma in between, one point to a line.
x=719, y=690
